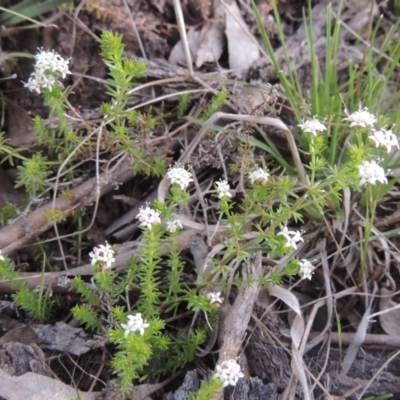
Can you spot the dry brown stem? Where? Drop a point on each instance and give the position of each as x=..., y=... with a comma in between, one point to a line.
x=25, y=228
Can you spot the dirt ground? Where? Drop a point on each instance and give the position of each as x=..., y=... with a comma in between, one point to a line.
x=60, y=352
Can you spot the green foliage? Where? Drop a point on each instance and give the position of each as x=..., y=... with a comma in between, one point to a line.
x=365, y=86
x=38, y=303
x=33, y=174
x=8, y=212
x=87, y=316
x=150, y=295
x=55, y=215
x=215, y=104
x=9, y=151
x=134, y=351
x=26, y=10
x=208, y=390
x=180, y=351
x=122, y=71
x=8, y=273
x=260, y=222
x=183, y=104
x=86, y=292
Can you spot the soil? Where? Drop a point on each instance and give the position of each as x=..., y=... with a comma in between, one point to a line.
x=80, y=359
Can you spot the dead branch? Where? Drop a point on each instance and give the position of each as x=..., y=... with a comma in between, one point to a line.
x=25, y=228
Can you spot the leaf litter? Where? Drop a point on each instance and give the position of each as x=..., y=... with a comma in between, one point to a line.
x=224, y=42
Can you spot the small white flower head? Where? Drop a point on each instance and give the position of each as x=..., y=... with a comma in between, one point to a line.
x=292, y=237
x=361, y=117
x=223, y=189
x=312, y=126
x=215, y=298
x=180, y=176
x=260, y=176
x=135, y=323
x=306, y=269
x=371, y=172
x=385, y=138
x=49, y=67
x=103, y=254
x=1, y=257
x=51, y=61
x=148, y=217
x=228, y=372
x=174, y=225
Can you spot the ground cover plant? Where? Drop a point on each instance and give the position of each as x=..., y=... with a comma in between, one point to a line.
x=221, y=225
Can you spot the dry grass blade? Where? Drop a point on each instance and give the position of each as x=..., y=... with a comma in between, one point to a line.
x=358, y=340
x=296, y=332
x=182, y=32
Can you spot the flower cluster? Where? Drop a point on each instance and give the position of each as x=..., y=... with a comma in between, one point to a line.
x=103, y=254
x=292, y=237
x=371, y=172
x=135, y=323
x=148, y=217
x=174, y=225
x=229, y=373
x=260, y=176
x=306, y=269
x=1, y=257
x=179, y=176
x=385, y=138
x=223, y=189
x=361, y=117
x=312, y=126
x=49, y=67
x=215, y=298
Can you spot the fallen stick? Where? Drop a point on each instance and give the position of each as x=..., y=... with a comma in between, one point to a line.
x=26, y=227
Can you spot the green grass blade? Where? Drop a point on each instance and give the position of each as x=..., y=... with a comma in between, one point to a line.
x=28, y=13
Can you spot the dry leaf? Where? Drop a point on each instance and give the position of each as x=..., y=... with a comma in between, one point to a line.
x=23, y=334
x=38, y=387
x=242, y=47
x=20, y=132
x=212, y=44
x=390, y=320
x=177, y=55
x=62, y=337
x=7, y=192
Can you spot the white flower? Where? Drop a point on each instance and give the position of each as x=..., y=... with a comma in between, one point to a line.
x=49, y=67
x=1, y=257
x=135, y=323
x=362, y=117
x=260, y=175
x=180, y=176
x=223, y=189
x=229, y=373
x=312, y=126
x=292, y=237
x=285, y=232
x=371, y=172
x=306, y=269
x=103, y=254
x=148, y=217
x=215, y=298
x=174, y=225
x=51, y=61
x=384, y=137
